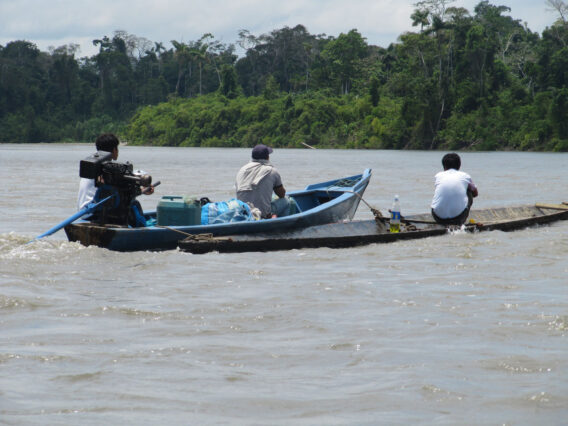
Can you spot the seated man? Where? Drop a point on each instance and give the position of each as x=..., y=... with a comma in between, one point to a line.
x=107, y=142
x=88, y=189
x=257, y=180
x=453, y=194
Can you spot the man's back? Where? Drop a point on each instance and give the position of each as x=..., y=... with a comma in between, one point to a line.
x=450, y=194
x=255, y=183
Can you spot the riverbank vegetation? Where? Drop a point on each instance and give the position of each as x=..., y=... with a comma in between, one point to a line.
x=478, y=80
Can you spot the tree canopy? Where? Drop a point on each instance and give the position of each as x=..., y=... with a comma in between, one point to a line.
x=462, y=80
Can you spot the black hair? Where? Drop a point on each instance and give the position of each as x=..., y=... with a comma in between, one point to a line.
x=107, y=142
x=451, y=161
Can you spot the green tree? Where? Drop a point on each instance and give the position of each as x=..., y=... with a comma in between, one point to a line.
x=183, y=56
x=374, y=91
x=229, y=85
x=199, y=52
x=286, y=54
x=271, y=88
x=344, y=55
x=559, y=113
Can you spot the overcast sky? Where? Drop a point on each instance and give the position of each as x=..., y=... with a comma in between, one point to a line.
x=57, y=22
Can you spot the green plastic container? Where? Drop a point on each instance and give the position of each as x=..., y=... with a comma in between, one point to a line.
x=176, y=210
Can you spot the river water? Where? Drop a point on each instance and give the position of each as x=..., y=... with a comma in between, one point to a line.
x=458, y=329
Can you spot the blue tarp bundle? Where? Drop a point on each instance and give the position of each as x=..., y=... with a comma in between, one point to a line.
x=225, y=211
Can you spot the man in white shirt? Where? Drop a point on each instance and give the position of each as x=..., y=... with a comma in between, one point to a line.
x=106, y=142
x=453, y=194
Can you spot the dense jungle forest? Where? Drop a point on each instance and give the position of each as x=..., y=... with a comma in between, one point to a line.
x=463, y=80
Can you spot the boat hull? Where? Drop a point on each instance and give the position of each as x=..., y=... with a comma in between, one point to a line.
x=321, y=203
x=357, y=233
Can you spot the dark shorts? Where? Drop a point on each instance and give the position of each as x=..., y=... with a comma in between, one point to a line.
x=459, y=219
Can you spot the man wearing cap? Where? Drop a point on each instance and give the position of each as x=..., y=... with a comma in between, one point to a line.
x=257, y=180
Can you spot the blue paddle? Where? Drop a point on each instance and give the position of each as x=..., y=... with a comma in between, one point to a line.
x=90, y=208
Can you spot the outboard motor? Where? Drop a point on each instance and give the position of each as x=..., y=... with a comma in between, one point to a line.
x=119, y=180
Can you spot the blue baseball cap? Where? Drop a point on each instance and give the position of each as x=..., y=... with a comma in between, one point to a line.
x=261, y=152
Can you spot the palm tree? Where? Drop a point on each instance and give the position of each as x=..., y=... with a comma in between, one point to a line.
x=183, y=55
x=200, y=53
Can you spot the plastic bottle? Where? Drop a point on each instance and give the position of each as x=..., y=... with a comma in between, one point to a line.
x=395, y=215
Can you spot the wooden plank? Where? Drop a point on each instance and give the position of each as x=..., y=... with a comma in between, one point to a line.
x=514, y=224
x=562, y=206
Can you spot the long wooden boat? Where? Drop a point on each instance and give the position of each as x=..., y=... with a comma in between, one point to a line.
x=319, y=203
x=357, y=233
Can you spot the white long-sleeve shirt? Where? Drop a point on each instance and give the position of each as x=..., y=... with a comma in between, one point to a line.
x=87, y=191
